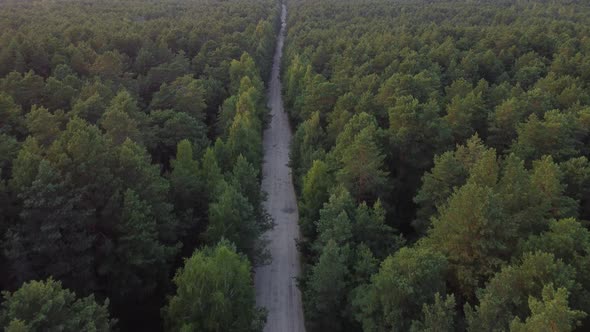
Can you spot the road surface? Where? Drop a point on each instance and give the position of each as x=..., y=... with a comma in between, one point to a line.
x=276, y=284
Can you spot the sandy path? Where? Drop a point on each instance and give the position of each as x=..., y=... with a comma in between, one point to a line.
x=276, y=286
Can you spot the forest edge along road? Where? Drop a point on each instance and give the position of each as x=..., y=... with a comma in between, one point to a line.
x=276, y=283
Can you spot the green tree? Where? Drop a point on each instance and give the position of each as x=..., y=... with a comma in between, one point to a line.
x=119, y=126
x=552, y=313
x=232, y=217
x=227, y=112
x=451, y=169
x=12, y=115
x=438, y=316
x=26, y=89
x=245, y=179
x=83, y=230
x=140, y=259
x=90, y=108
x=212, y=174
x=336, y=218
x=437, y=185
x=362, y=172
x=245, y=138
x=123, y=118
x=165, y=72
x=134, y=171
x=26, y=164
x=185, y=183
x=473, y=232
x=9, y=148
x=167, y=128
x=405, y=281
x=326, y=288
x=43, y=125
x=466, y=116
x=59, y=94
x=314, y=194
x=569, y=241
x=185, y=94
x=503, y=297
x=46, y=306
x=108, y=65
x=214, y=292
x=339, y=117
x=503, y=122
x=53, y=236
x=307, y=145
x=421, y=86
x=557, y=134
x=124, y=102
x=320, y=96
x=416, y=132
x=546, y=180
x=369, y=228
x=245, y=67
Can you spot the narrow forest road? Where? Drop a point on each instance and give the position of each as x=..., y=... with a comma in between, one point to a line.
x=276, y=284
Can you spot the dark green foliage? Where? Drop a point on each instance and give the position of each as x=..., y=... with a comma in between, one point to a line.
x=130, y=134
x=185, y=95
x=67, y=219
x=11, y=114
x=569, y=241
x=167, y=128
x=307, y=146
x=232, y=217
x=53, y=236
x=46, y=306
x=362, y=172
x=186, y=186
x=314, y=194
x=468, y=122
x=107, y=172
x=327, y=286
x=348, y=240
x=550, y=314
x=501, y=300
x=405, y=281
x=438, y=316
x=450, y=170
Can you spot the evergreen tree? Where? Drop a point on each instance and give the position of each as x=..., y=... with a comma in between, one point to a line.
x=232, y=217
x=186, y=185
x=43, y=125
x=213, y=293
x=314, y=194
x=437, y=317
x=327, y=286
x=185, y=95
x=46, y=306
x=501, y=300
x=473, y=232
x=362, y=171
x=552, y=313
x=405, y=281
x=53, y=237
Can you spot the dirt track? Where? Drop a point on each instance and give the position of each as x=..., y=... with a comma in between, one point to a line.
x=276, y=286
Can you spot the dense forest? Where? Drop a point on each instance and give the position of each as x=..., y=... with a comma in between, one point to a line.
x=130, y=154
x=441, y=161
x=440, y=157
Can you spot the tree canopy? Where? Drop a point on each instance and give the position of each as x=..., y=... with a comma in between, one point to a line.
x=114, y=162
x=464, y=123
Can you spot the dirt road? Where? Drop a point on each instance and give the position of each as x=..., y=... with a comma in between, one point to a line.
x=276, y=286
